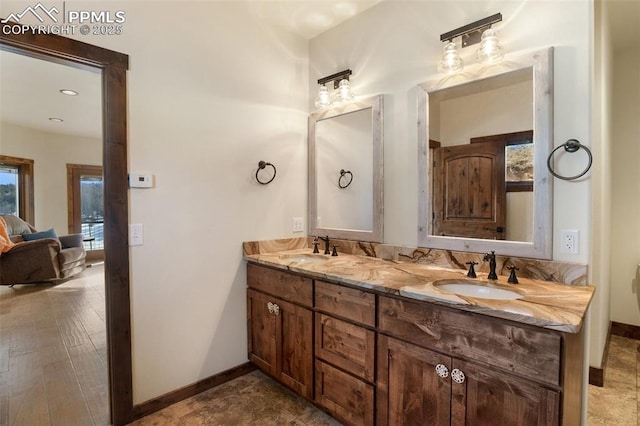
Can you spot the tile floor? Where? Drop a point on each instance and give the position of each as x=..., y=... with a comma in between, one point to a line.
x=617, y=403
x=255, y=399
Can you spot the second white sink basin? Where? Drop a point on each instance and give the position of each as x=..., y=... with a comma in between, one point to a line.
x=466, y=288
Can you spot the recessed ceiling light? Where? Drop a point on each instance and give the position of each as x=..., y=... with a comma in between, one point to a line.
x=56, y=119
x=69, y=92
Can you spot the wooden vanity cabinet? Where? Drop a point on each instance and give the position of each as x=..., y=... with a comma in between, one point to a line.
x=440, y=366
x=417, y=386
x=280, y=331
x=377, y=359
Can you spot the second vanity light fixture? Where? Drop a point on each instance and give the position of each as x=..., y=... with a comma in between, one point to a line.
x=490, y=50
x=341, y=83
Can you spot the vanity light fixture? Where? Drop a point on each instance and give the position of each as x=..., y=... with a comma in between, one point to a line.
x=68, y=92
x=451, y=62
x=490, y=50
x=341, y=83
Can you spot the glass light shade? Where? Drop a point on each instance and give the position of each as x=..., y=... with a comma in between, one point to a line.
x=323, y=100
x=451, y=62
x=490, y=50
x=344, y=92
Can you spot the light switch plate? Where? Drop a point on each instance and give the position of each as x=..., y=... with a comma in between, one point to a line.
x=136, y=237
x=298, y=224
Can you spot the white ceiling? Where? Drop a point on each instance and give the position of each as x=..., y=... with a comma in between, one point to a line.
x=29, y=88
x=30, y=95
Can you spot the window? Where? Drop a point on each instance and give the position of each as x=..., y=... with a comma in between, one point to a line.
x=86, y=203
x=518, y=151
x=519, y=167
x=9, y=194
x=16, y=187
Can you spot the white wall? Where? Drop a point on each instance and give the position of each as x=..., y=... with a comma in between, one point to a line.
x=51, y=153
x=395, y=45
x=625, y=253
x=385, y=59
x=212, y=90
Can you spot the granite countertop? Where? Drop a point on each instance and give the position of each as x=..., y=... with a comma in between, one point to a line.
x=544, y=304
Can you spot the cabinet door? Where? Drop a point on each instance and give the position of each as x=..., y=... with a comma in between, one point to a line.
x=410, y=391
x=262, y=331
x=484, y=397
x=344, y=396
x=295, y=347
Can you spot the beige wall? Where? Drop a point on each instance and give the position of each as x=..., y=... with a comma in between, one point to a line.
x=625, y=175
x=212, y=90
x=51, y=153
x=599, y=271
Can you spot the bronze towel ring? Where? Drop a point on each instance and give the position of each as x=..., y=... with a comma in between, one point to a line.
x=572, y=145
x=343, y=173
x=261, y=166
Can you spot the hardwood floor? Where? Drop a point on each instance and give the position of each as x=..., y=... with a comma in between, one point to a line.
x=53, y=360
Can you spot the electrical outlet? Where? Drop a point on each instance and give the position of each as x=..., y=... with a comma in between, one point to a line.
x=298, y=224
x=569, y=242
x=136, y=237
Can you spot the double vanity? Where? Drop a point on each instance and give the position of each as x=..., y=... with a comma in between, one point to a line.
x=390, y=341
x=393, y=335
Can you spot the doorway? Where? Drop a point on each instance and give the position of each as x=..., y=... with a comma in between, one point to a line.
x=85, y=189
x=113, y=69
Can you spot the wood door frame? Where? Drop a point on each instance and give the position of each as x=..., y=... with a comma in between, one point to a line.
x=113, y=67
x=74, y=206
x=25, y=165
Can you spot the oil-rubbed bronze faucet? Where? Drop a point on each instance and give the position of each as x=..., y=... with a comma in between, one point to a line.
x=326, y=244
x=491, y=257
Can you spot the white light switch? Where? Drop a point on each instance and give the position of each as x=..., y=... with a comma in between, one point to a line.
x=136, y=237
x=298, y=224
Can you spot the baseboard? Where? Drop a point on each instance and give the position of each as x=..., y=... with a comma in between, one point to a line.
x=625, y=330
x=596, y=374
x=188, y=391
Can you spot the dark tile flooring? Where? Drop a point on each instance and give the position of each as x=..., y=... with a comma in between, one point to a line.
x=253, y=399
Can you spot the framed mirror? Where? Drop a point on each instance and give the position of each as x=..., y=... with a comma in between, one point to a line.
x=346, y=171
x=485, y=136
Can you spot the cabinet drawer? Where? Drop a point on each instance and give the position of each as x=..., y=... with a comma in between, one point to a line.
x=289, y=287
x=349, y=303
x=345, y=345
x=528, y=352
x=347, y=398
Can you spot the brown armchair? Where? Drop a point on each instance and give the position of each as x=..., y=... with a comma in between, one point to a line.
x=46, y=259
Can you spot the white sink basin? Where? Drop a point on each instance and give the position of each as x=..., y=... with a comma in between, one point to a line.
x=477, y=290
x=305, y=258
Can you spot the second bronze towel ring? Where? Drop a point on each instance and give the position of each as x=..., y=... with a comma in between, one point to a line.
x=343, y=173
x=261, y=166
x=572, y=145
